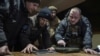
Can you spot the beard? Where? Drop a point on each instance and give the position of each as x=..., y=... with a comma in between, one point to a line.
x=31, y=13
x=52, y=18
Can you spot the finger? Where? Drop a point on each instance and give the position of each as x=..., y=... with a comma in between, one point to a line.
x=51, y=49
x=85, y=51
x=31, y=49
x=28, y=49
x=2, y=53
x=48, y=49
x=64, y=44
x=91, y=52
x=35, y=48
x=94, y=52
x=8, y=52
x=24, y=50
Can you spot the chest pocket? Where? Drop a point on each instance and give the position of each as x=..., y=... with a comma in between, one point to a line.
x=74, y=39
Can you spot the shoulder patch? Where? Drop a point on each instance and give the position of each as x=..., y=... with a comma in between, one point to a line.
x=25, y=27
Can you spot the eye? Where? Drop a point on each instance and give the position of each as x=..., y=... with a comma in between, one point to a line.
x=71, y=17
x=35, y=5
x=76, y=17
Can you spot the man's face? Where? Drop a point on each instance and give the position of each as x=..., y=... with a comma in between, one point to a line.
x=43, y=21
x=74, y=16
x=32, y=7
x=53, y=14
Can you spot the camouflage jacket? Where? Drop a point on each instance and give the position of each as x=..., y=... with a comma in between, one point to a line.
x=63, y=32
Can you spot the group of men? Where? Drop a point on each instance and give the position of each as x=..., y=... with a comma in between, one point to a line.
x=21, y=24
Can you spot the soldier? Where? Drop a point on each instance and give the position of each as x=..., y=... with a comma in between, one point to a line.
x=15, y=13
x=30, y=33
x=75, y=31
x=4, y=50
x=54, y=22
x=4, y=11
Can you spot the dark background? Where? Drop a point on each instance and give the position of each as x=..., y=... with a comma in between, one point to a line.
x=90, y=9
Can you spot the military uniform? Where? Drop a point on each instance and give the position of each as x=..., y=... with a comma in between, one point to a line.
x=53, y=24
x=79, y=35
x=32, y=31
x=12, y=13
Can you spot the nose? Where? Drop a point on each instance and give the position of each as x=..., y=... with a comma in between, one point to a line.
x=53, y=14
x=73, y=19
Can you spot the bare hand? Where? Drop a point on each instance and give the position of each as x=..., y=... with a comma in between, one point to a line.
x=61, y=42
x=4, y=50
x=90, y=51
x=29, y=48
x=51, y=48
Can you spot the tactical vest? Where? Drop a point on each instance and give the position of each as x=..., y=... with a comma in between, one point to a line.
x=74, y=34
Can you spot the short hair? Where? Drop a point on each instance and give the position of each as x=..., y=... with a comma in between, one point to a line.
x=76, y=8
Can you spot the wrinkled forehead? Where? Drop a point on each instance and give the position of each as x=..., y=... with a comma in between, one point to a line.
x=75, y=12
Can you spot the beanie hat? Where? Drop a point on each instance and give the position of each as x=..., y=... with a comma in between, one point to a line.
x=52, y=8
x=35, y=1
x=45, y=13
